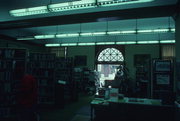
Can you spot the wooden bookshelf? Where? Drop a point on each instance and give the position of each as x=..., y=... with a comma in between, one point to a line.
x=42, y=67
x=64, y=73
x=12, y=69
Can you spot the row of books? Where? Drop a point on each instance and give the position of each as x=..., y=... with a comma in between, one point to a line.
x=42, y=64
x=5, y=75
x=38, y=73
x=12, y=53
x=40, y=56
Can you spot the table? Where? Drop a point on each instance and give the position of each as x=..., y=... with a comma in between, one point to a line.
x=131, y=109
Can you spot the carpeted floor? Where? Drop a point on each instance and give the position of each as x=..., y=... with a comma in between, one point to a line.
x=81, y=118
x=83, y=114
x=77, y=111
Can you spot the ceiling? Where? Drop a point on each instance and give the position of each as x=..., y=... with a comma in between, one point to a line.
x=152, y=15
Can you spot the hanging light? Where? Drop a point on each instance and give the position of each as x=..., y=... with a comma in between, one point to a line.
x=29, y=11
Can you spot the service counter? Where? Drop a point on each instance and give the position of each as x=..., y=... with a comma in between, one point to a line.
x=131, y=109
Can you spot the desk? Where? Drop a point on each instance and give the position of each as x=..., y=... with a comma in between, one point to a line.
x=131, y=109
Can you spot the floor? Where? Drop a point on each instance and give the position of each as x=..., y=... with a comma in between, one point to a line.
x=76, y=111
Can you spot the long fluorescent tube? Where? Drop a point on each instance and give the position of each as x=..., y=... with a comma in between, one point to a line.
x=111, y=43
x=128, y=42
x=105, y=43
x=71, y=6
x=161, y=30
x=173, y=30
x=26, y=38
x=144, y=31
x=128, y=32
x=99, y=33
x=114, y=32
x=52, y=45
x=147, y=42
x=86, y=34
x=44, y=36
x=61, y=35
x=167, y=41
x=69, y=44
x=73, y=35
x=29, y=11
x=120, y=2
x=86, y=44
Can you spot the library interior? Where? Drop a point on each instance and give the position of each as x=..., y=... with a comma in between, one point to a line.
x=90, y=60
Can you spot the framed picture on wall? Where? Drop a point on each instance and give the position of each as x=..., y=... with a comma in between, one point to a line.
x=162, y=65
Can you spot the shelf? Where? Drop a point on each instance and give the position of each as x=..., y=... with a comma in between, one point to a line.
x=12, y=67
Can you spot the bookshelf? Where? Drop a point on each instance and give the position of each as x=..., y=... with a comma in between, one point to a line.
x=64, y=92
x=41, y=66
x=12, y=69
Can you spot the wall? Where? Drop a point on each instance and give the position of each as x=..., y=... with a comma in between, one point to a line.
x=131, y=50
x=30, y=48
x=177, y=79
x=89, y=51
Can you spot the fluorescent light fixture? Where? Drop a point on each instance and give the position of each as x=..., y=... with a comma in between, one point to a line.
x=82, y=4
x=128, y=42
x=172, y=30
x=105, y=43
x=75, y=5
x=113, y=32
x=128, y=32
x=120, y=43
x=86, y=34
x=52, y=45
x=144, y=31
x=69, y=44
x=160, y=30
x=26, y=38
x=44, y=36
x=86, y=44
x=120, y=2
x=73, y=35
x=131, y=42
x=99, y=33
x=147, y=42
x=61, y=35
x=29, y=11
x=167, y=41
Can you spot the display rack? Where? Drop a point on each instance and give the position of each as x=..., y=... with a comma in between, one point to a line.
x=42, y=67
x=12, y=69
x=163, y=80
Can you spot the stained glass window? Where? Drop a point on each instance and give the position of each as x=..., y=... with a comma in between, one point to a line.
x=110, y=55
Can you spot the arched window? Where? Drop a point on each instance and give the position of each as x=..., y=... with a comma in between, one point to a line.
x=110, y=55
x=108, y=60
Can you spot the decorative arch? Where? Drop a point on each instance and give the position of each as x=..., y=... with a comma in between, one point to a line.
x=110, y=55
